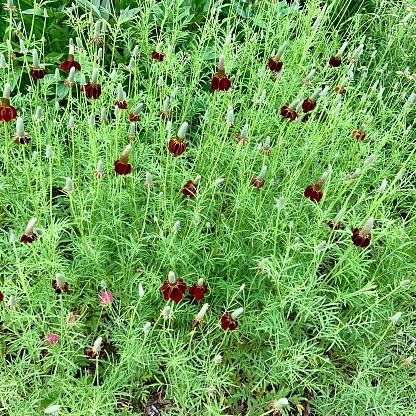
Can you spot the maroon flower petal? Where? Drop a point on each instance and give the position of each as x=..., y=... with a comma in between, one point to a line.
x=224, y=84
x=176, y=294
x=215, y=83
x=66, y=65
x=176, y=146
x=274, y=65
x=335, y=61
x=134, y=117
x=122, y=168
x=308, y=105
x=257, y=182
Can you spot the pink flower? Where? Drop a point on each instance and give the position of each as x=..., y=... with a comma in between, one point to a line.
x=106, y=298
x=51, y=339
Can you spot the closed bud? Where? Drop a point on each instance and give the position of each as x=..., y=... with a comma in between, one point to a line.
x=38, y=114
x=35, y=59
x=71, y=76
x=405, y=282
x=237, y=313
x=20, y=128
x=177, y=226
x=97, y=345
x=395, y=317
x=370, y=160
x=147, y=327
x=3, y=63
x=71, y=122
x=141, y=290
x=22, y=46
x=382, y=187
x=182, y=131
x=69, y=185
x=230, y=115
x=166, y=312
x=103, y=114
x=49, y=152
x=280, y=203
x=91, y=121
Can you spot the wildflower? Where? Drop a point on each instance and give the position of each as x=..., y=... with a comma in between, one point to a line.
x=99, y=172
x=340, y=89
x=103, y=115
x=7, y=111
x=176, y=226
x=274, y=63
x=310, y=103
x=1, y=297
x=166, y=312
x=289, y=110
x=121, y=102
x=122, y=165
x=230, y=320
x=361, y=236
x=334, y=225
x=370, y=160
x=20, y=136
x=200, y=316
x=336, y=60
x=29, y=236
x=230, y=116
x=356, y=54
x=198, y=290
x=266, y=148
x=157, y=54
x=218, y=359
x=395, y=317
x=70, y=81
x=407, y=361
x=359, y=134
x=96, y=38
x=177, y=145
x=314, y=192
x=106, y=298
x=305, y=81
x=11, y=303
x=278, y=405
x=70, y=61
x=131, y=135
x=242, y=137
x=165, y=113
x=69, y=186
x=148, y=183
x=220, y=81
x=96, y=350
x=36, y=72
x=59, y=284
x=38, y=114
x=258, y=181
x=280, y=203
x=135, y=115
x=10, y=6
x=173, y=288
x=92, y=89
x=51, y=339
x=191, y=187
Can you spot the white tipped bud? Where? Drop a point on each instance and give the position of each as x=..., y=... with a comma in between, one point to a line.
x=262, y=174
x=22, y=46
x=83, y=79
x=12, y=238
x=243, y=134
x=228, y=40
x=132, y=130
x=405, y=282
x=280, y=203
x=177, y=226
x=138, y=109
x=71, y=76
x=324, y=92
x=6, y=91
x=71, y=48
x=166, y=312
x=35, y=58
x=316, y=94
x=147, y=327
x=60, y=281
x=100, y=166
x=71, y=122
x=113, y=75
x=38, y=114
x=78, y=42
x=281, y=50
x=126, y=151
x=160, y=81
x=97, y=345
x=97, y=29
x=20, y=128
x=368, y=227
x=383, y=185
x=218, y=181
x=221, y=64
x=262, y=98
x=131, y=64
x=342, y=49
x=103, y=114
x=370, y=160
x=91, y=121
x=94, y=77
x=57, y=75
x=400, y=174
x=407, y=17
x=280, y=404
x=52, y=409
x=141, y=290
x=49, y=152
x=217, y=359
x=321, y=245
x=395, y=317
x=294, y=104
x=182, y=131
x=196, y=180
x=135, y=51
x=120, y=92
x=201, y=314
x=337, y=109
x=149, y=179
x=230, y=115
x=69, y=185
x=3, y=63
x=116, y=110
x=237, y=313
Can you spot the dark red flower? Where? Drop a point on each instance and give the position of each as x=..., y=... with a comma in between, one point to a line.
x=258, y=183
x=314, y=192
x=134, y=117
x=1, y=297
x=340, y=89
x=121, y=104
x=220, y=82
x=358, y=134
x=334, y=225
x=158, y=56
x=191, y=187
x=308, y=105
x=7, y=111
x=95, y=352
x=91, y=90
x=122, y=165
x=173, y=288
x=69, y=63
x=335, y=61
x=37, y=73
x=25, y=139
x=198, y=290
x=359, y=239
x=177, y=146
x=287, y=112
x=275, y=64
x=28, y=238
x=59, y=289
x=228, y=323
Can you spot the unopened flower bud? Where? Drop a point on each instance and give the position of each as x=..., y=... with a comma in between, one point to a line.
x=11, y=303
x=49, y=151
x=395, y=317
x=280, y=203
x=218, y=181
x=103, y=114
x=405, y=282
x=20, y=128
x=71, y=122
x=22, y=46
x=230, y=115
x=141, y=290
x=51, y=410
x=237, y=313
x=221, y=65
x=177, y=226
x=201, y=314
x=182, y=131
x=135, y=51
x=97, y=345
x=6, y=91
x=69, y=185
x=147, y=327
x=370, y=160
x=3, y=63
x=35, y=59
x=262, y=174
x=71, y=76
x=166, y=312
x=91, y=121
x=342, y=49
x=244, y=131
x=382, y=187
x=97, y=29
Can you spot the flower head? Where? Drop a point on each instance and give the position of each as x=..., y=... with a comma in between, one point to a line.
x=157, y=54
x=359, y=134
x=36, y=72
x=242, y=137
x=309, y=104
x=191, y=187
x=7, y=111
x=51, y=339
x=59, y=284
x=336, y=60
x=177, y=144
x=70, y=61
x=99, y=172
x=96, y=350
x=20, y=136
x=106, y=298
x=121, y=101
x=29, y=236
x=173, y=288
x=198, y=289
x=92, y=88
x=165, y=113
x=122, y=165
x=200, y=316
x=275, y=63
x=135, y=115
x=230, y=320
x=258, y=181
x=220, y=81
x=361, y=237
x=314, y=192
x=289, y=110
